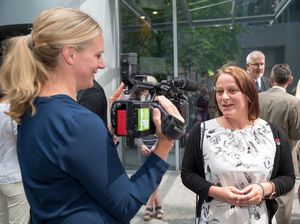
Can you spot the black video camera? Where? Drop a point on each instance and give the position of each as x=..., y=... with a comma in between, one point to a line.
x=132, y=117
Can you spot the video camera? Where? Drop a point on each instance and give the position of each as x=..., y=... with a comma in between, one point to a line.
x=132, y=117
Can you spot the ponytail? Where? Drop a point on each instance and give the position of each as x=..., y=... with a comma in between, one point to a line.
x=28, y=58
x=21, y=77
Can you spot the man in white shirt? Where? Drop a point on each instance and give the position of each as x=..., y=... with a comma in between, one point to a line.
x=256, y=67
x=283, y=110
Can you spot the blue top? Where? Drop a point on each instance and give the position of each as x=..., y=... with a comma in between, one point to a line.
x=71, y=170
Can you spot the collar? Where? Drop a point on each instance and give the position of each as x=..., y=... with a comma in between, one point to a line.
x=279, y=87
x=259, y=80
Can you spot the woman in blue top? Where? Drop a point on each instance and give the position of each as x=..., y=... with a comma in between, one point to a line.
x=70, y=168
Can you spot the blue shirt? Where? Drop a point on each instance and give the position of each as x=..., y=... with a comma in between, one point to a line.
x=71, y=170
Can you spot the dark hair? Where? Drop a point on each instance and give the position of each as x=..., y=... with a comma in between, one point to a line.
x=281, y=73
x=247, y=86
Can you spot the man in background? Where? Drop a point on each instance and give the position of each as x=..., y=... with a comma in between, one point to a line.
x=95, y=100
x=256, y=64
x=283, y=110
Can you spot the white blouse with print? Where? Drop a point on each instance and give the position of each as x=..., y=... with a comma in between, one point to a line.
x=237, y=158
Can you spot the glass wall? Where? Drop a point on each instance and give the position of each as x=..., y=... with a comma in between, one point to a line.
x=210, y=33
x=153, y=46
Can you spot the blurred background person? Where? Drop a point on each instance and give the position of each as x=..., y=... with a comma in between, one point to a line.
x=202, y=105
x=95, y=100
x=282, y=109
x=14, y=207
x=298, y=143
x=256, y=64
x=192, y=97
x=145, y=146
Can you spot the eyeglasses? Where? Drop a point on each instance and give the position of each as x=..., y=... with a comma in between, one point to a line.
x=258, y=64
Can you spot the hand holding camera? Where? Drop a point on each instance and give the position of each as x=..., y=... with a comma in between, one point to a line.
x=165, y=117
x=167, y=103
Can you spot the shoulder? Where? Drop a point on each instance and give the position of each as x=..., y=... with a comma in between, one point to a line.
x=203, y=127
x=268, y=93
x=265, y=80
x=262, y=126
x=96, y=88
x=65, y=112
x=95, y=92
x=276, y=130
x=259, y=122
x=292, y=98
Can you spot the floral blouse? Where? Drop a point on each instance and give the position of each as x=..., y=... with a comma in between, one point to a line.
x=237, y=158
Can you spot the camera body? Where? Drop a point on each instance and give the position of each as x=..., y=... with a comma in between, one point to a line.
x=132, y=117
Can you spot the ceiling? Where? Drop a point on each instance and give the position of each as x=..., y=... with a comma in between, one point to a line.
x=206, y=12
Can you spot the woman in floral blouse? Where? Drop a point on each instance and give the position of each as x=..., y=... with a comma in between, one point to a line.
x=237, y=163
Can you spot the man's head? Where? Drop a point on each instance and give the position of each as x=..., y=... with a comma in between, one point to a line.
x=281, y=75
x=256, y=64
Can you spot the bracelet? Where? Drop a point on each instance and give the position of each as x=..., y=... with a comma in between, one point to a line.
x=262, y=188
x=273, y=193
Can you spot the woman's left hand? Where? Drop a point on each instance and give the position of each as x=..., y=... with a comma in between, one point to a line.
x=117, y=94
x=255, y=195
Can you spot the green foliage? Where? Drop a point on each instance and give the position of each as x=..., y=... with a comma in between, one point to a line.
x=207, y=47
x=200, y=49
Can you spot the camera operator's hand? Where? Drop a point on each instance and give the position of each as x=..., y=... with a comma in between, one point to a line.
x=145, y=151
x=164, y=144
x=169, y=107
x=116, y=96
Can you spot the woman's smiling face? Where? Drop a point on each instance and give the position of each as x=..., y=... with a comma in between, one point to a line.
x=232, y=102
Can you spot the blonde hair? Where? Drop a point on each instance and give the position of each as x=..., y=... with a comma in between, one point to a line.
x=29, y=58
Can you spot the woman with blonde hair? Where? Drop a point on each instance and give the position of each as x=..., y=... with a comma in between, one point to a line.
x=70, y=168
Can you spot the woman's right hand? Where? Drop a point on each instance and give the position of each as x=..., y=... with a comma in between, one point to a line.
x=170, y=108
x=164, y=144
x=230, y=195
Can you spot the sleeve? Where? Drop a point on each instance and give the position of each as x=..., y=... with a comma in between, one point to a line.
x=192, y=172
x=284, y=178
x=294, y=121
x=94, y=162
x=14, y=127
